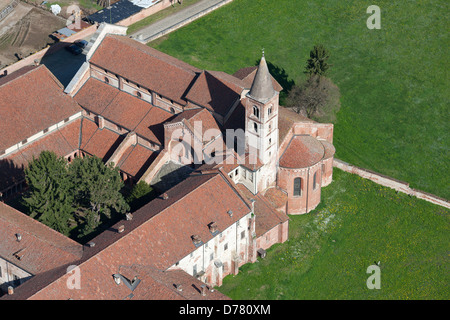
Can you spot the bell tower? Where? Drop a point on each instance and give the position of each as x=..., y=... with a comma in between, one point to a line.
x=261, y=122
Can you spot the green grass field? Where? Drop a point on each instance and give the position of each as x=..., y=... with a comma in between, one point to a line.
x=357, y=224
x=394, y=81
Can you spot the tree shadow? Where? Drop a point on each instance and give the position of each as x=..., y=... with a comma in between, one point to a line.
x=282, y=77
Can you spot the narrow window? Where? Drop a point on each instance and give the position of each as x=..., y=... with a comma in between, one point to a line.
x=297, y=187
x=225, y=247
x=314, y=181
x=242, y=234
x=256, y=111
x=106, y=80
x=255, y=126
x=269, y=111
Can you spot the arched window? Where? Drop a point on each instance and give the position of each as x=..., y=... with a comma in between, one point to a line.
x=138, y=94
x=256, y=111
x=106, y=80
x=297, y=187
x=255, y=126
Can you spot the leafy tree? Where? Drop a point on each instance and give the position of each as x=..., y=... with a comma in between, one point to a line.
x=141, y=193
x=96, y=191
x=48, y=198
x=317, y=98
x=317, y=63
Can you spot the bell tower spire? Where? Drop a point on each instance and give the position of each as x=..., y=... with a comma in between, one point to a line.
x=261, y=123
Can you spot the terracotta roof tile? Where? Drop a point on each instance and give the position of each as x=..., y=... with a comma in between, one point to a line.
x=145, y=66
x=286, y=118
x=266, y=215
x=101, y=143
x=96, y=95
x=32, y=100
x=152, y=125
x=302, y=151
x=41, y=248
x=126, y=110
x=62, y=141
x=215, y=92
x=136, y=160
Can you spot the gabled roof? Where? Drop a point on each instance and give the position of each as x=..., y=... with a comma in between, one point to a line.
x=163, y=230
x=145, y=66
x=62, y=141
x=215, y=91
x=40, y=248
x=32, y=99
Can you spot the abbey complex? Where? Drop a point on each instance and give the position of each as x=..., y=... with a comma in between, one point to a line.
x=230, y=164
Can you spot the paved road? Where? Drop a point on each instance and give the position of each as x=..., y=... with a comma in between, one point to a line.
x=146, y=33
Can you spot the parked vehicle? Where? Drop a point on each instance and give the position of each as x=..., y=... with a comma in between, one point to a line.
x=81, y=43
x=74, y=49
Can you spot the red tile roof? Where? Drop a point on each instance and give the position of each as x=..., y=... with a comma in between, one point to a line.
x=151, y=126
x=330, y=150
x=62, y=141
x=41, y=248
x=156, y=238
x=302, y=151
x=126, y=110
x=135, y=160
x=32, y=100
x=145, y=66
x=215, y=91
x=266, y=215
x=286, y=118
x=99, y=142
x=96, y=95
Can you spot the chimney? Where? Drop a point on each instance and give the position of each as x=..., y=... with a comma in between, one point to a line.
x=165, y=196
x=116, y=278
x=196, y=240
x=19, y=237
x=178, y=286
x=121, y=228
x=100, y=122
x=10, y=290
x=213, y=227
x=90, y=244
x=129, y=216
x=203, y=289
x=230, y=213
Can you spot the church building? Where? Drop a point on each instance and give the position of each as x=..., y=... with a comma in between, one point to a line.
x=229, y=162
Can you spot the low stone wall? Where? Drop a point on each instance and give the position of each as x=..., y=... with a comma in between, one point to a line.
x=390, y=183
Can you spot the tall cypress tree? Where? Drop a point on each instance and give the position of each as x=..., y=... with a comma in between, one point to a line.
x=317, y=63
x=49, y=199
